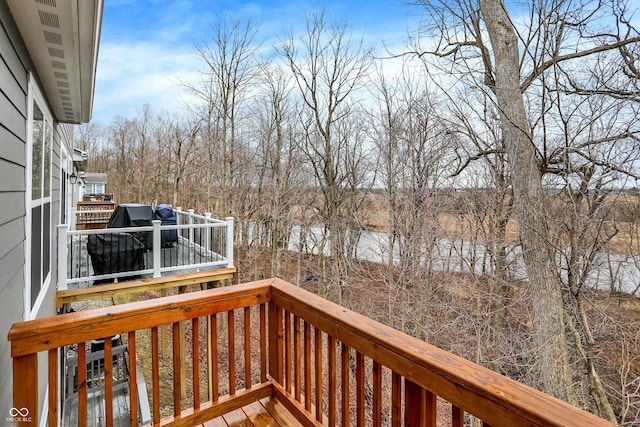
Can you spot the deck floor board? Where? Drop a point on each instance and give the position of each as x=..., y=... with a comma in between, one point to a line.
x=267, y=412
x=96, y=407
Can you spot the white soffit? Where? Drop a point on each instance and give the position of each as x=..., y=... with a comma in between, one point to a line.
x=62, y=37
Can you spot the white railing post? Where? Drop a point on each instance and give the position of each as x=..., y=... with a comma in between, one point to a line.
x=62, y=256
x=207, y=241
x=72, y=218
x=191, y=213
x=156, y=247
x=177, y=213
x=229, y=254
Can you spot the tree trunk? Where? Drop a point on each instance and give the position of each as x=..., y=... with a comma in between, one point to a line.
x=548, y=322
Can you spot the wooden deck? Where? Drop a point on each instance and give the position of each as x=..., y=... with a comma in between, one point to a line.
x=265, y=412
x=326, y=364
x=181, y=257
x=142, y=285
x=95, y=390
x=96, y=407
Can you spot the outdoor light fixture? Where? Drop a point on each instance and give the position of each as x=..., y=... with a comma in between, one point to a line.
x=73, y=178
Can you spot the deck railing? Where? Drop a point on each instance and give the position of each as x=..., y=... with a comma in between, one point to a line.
x=86, y=257
x=326, y=364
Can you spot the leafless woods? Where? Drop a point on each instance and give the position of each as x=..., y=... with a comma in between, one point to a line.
x=489, y=169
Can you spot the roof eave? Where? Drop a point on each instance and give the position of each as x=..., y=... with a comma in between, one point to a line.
x=62, y=37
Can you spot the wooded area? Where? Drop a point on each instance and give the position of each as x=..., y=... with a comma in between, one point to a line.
x=495, y=158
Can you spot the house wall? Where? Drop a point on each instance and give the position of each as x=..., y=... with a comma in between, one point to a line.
x=15, y=65
x=13, y=114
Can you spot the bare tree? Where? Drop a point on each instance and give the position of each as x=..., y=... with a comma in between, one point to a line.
x=328, y=67
x=278, y=162
x=515, y=62
x=230, y=67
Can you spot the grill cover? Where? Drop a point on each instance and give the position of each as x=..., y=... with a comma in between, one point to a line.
x=134, y=215
x=115, y=253
x=164, y=213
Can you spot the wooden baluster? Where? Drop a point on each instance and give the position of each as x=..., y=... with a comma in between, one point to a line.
x=108, y=380
x=247, y=348
x=345, y=374
x=377, y=394
x=263, y=343
x=155, y=373
x=331, y=355
x=297, y=353
x=133, y=380
x=231, y=324
x=432, y=410
x=82, y=384
x=195, y=355
x=53, y=387
x=210, y=357
x=396, y=400
x=287, y=351
x=318, y=372
x=177, y=386
x=457, y=417
x=307, y=366
x=360, y=398
x=213, y=338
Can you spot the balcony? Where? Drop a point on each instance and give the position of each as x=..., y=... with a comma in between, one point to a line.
x=139, y=258
x=272, y=345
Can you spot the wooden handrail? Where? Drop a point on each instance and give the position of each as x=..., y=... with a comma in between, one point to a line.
x=307, y=337
x=492, y=397
x=43, y=334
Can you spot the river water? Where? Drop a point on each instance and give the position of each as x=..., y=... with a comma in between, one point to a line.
x=621, y=271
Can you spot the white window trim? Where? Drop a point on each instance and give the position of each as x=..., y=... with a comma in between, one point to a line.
x=34, y=94
x=64, y=172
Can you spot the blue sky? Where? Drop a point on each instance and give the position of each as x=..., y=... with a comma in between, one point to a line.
x=147, y=46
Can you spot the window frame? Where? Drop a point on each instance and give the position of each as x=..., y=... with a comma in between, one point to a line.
x=33, y=303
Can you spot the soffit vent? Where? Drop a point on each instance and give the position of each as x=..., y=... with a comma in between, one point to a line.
x=63, y=84
x=56, y=53
x=49, y=19
x=60, y=75
x=53, y=38
x=51, y=3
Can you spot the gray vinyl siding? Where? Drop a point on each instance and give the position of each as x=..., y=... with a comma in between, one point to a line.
x=13, y=111
x=14, y=63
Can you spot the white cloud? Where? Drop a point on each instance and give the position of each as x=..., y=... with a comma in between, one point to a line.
x=130, y=75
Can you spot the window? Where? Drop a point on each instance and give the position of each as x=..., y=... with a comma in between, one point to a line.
x=94, y=189
x=40, y=139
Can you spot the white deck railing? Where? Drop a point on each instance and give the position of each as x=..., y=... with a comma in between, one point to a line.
x=196, y=242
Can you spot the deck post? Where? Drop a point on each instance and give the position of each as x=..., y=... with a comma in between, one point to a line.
x=276, y=344
x=420, y=406
x=191, y=213
x=229, y=251
x=178, y=214
x=156, y=247
x=208, y=232
x=62, y=256
x=25, y=390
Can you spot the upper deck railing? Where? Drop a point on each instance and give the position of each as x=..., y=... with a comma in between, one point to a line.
x=326, y=364
x=102, y=255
